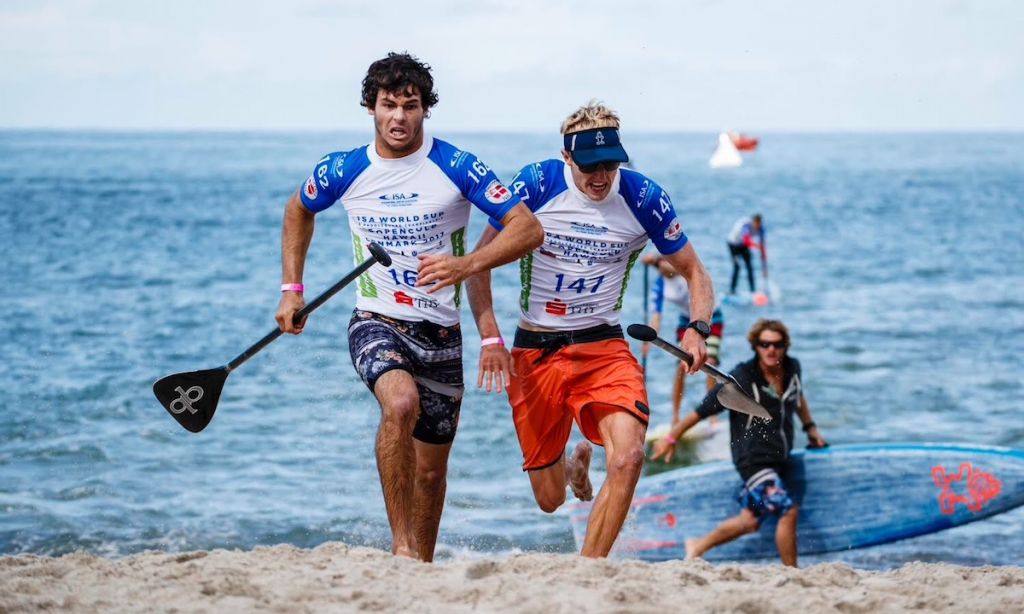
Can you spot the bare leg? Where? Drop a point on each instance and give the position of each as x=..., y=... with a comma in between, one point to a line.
x=428, y=494
x=728, y=530
x=623, y=437
x=549, y=483
x=678, y=390
x=785, y=536
x=396, y=458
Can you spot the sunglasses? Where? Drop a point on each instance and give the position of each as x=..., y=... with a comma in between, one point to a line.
x=590, y=169
x=778, y=345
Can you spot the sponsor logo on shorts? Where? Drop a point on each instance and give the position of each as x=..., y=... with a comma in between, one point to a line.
x=556, y=307
x=310, y=189
x=497, y=193
x=674, y=230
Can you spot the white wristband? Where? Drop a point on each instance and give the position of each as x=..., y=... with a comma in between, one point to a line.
x=492, y=341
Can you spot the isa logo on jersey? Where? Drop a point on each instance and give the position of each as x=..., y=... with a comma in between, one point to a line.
x=310, y=189
x=497, y=193
x=674, y=230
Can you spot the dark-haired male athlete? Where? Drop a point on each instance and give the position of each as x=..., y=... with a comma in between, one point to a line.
x=412, y=194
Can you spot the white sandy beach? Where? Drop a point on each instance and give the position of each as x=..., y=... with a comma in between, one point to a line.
x=335, y=577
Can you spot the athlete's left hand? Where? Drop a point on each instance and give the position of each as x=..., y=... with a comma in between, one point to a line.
x=695, y=345
x=496, y=368
x=442, y=271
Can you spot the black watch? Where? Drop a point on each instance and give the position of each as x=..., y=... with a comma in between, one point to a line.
x=702, y=328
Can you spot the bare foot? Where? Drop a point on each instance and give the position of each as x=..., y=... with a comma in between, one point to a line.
x=691, y=549
x=578, y=470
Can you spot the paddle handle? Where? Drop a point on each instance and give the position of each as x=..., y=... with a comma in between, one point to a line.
x=378, y=256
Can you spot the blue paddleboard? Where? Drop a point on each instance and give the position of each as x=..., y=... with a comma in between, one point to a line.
x=853, y=496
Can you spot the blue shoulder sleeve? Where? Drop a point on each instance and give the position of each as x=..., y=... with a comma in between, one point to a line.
x=332, y=176
x=536, y=184
x=474, y=179
x=653, y=209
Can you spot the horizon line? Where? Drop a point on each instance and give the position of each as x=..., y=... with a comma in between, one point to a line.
x=644, y=132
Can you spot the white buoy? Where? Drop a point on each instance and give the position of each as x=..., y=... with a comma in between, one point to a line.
x=726, y=155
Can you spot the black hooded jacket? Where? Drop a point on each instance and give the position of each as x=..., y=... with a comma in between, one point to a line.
x=757, y=443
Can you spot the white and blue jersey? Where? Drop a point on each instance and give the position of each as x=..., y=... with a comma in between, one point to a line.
x=412, y=206
x=577, y=277
x=742, y=233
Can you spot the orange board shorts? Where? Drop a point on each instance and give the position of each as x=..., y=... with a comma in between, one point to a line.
x=547, y=396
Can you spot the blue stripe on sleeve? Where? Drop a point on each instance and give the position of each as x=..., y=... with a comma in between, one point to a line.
x=478, y=183
x=331, y=177
x=652, y=207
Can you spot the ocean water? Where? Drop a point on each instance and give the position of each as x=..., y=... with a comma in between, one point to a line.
x=129, y=256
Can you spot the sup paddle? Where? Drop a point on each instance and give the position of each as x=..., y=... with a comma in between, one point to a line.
x=730, y=394
x=646, y=312
x=191, y=398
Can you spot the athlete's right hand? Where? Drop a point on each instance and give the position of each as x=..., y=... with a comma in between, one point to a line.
x=662, y=448
x=291, y=303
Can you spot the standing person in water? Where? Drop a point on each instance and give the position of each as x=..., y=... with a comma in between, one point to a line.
x=746, y=234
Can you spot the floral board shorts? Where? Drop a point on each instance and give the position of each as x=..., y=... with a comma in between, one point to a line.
x=430, y=353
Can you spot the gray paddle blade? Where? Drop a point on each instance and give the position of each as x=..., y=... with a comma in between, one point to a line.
x=191, y=398
x=733, y=397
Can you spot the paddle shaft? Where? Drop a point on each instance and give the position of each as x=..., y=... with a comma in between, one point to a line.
x=300, y=314
x=685, y=356
x=646, y=318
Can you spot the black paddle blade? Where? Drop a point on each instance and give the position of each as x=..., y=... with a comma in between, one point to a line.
x=191, y=398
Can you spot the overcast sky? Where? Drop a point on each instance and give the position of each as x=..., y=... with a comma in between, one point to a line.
x=799, y=65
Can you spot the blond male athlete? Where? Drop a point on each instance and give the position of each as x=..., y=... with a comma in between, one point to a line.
x=571, y=361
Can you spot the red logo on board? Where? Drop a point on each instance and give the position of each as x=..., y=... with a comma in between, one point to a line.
x=555, y=307
x=403, y=299
x=982, y=487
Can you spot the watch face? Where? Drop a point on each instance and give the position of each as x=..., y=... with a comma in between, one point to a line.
x=701, y=327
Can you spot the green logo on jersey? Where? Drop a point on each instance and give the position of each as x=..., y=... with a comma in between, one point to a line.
x=625, y=278
x=459, y=249
x=526, y=277
x=366, y=286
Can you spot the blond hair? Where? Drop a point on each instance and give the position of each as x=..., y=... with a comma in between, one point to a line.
x=591, y=115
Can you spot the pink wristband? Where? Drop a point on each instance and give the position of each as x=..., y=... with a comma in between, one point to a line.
x=669, y=438
x=492, y=341
x=293, y=288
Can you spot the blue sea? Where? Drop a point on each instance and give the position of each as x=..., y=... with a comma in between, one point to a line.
x=130, y=256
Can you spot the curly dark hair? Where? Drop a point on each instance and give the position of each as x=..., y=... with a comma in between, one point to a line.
x=399, y=73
